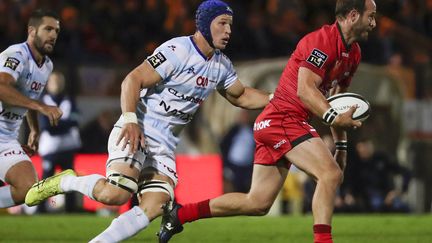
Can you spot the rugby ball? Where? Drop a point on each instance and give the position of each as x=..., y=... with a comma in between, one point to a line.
x=344, y=101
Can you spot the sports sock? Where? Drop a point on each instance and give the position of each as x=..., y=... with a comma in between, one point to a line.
x=83, y=184
x=6, y=197
x=322, y=233
x=124, y=226
x=193, y=211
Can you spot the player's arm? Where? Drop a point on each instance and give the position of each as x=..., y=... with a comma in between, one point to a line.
x=245, y=97
x=340, y=135
x=33, y=137
x=314, y=100
x=143, y=76
x=12, y=96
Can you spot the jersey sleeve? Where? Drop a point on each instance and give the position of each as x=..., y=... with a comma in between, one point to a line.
x=317, y=53
x=12, y=63
x=164, y=61
x=230, y=75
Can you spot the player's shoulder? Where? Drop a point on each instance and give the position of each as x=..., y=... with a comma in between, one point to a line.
x=323, y=39
x=312, y=40
x=18, y=51
x=317, y=32
x=180, y=46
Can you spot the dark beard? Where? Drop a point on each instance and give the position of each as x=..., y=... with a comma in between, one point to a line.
x=39, y=45
x=358, y=32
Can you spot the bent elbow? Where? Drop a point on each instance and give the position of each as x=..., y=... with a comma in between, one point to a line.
x=301, y=95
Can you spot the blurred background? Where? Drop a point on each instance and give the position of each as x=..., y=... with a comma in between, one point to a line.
x=390, y=158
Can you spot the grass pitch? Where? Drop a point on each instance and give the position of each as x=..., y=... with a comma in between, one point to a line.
x=295, y=229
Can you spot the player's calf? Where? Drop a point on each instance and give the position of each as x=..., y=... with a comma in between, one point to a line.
x=20, y=189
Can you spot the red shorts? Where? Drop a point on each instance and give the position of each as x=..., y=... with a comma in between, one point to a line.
x=277, y=132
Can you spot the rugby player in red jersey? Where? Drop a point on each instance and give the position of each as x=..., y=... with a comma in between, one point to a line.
x=323, y=63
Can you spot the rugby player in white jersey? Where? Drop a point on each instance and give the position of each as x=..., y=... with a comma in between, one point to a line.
x=24, y=71
x=158, y=99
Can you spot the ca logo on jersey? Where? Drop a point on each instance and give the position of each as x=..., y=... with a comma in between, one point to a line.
x=317, y=58
x=12, y=63
x=156, y=60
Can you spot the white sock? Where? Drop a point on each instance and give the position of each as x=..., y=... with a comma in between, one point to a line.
x=6, y=197
x=124, y=226
x=83, y=184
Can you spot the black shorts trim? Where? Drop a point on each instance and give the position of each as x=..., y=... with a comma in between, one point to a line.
x=300, y=140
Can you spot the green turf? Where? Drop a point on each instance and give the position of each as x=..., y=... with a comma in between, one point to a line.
x=346, y=228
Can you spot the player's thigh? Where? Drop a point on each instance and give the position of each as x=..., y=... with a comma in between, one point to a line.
x=21, y=175
x=125, y=169
x=267, y=180
x=313, y=157
x=122, y=166
x=151, y=173
x=15, y=166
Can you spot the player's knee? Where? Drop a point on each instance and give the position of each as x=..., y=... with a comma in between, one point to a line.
x=332, y=176
x=113, y=196
x=338, y=176
x=153, y=208
x=260, y=208
x=117, y=189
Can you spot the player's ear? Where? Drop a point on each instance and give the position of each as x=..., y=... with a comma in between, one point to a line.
x=353, y=16
x=31, y=31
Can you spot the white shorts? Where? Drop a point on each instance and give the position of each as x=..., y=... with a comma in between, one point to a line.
x=11, y=154
x=154, y=155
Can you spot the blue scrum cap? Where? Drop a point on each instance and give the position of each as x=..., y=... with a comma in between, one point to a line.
x=206, y=12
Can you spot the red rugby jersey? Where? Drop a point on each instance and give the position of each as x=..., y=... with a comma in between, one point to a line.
x=324, y=52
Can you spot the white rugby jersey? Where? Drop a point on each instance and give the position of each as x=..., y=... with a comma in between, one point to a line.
x=18, y=61
x=188, y=78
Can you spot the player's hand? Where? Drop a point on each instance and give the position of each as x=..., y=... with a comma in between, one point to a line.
x=131, y=134
x=345, y=121
x=52, y=112
x=29, y=151
x=33, y=140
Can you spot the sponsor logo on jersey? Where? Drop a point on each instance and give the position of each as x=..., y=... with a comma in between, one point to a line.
x=36, y=86
x=276, y=146
x=202, y=81
x=185, y=97
x=156, y=60
x=14, y=152
x=172, y=47
x=261, y=125
x=317, y=58
x=174, y=112
x=191, y=70
x=12, y=63
x=10, y=115
x=344, y=54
